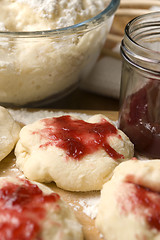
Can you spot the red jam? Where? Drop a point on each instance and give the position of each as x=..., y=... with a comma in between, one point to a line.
x=140, y=119
x=22, y=209
x=144, y=202
x=77, y=137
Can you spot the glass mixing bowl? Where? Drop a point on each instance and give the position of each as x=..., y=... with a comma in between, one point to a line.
x=40, y=67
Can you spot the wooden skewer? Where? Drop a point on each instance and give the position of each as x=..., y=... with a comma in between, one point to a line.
x=140, y=3
x=131, y=12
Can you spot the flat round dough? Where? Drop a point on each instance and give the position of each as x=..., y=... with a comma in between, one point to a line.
x=9, y=132
x=129, y=207
x=30, y=211
x=77, y=155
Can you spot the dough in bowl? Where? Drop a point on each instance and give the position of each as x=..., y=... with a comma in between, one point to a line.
x=77, y=155
x=9, y=132
x=129, y=207
x=34, y=212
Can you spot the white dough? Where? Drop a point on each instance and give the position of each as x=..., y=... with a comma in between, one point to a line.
x=51, y=163
x=129, y=205
x=9, y=132
x=49, y=66
x=54, y=219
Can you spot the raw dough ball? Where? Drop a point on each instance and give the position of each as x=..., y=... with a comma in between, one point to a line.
x=9, y=132
x=130, y=202
x=77, y=155
x=30, y=211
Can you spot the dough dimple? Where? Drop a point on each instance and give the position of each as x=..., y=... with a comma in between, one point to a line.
x=30, y=210
x=9, y=132
x=129, y=205
x=78, y=155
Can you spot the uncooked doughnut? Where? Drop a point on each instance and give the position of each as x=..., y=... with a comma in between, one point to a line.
x=129, y=207
x=77, y=155
x=30, y=211
x=9, y=132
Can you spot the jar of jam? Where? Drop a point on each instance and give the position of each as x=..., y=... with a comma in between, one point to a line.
x=139, y=115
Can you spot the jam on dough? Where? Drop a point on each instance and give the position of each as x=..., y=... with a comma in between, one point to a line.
x=30, y=211
x=131, y=199
x=78, y=155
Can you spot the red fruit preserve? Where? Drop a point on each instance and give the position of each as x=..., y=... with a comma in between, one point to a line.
x=142, y=202
x=77, y=137
x=22, y=210
x=140, y=84
x=140, y=119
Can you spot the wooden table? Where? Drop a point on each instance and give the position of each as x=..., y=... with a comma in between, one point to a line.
x=82, y=100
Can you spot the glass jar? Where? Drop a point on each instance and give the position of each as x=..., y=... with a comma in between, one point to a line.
x=139, y=115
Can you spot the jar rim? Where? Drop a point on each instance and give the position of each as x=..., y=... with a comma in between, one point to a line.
x=144, y=25
x=152, y=73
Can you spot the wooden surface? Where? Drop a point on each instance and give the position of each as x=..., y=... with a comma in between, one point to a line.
x=7, y=167
x=84, y=100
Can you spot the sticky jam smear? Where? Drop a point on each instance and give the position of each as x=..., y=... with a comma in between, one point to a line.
x=142, y=201
x=22, y=209
x=77, y=137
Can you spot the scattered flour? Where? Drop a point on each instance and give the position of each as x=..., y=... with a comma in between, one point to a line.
x=90, y=205
x=25, y=116
x=75, y=206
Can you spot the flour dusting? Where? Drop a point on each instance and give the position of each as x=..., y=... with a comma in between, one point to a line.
x=90, y=205
x=29, y=116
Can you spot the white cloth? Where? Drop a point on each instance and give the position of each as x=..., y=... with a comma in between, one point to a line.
x=105, y=78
